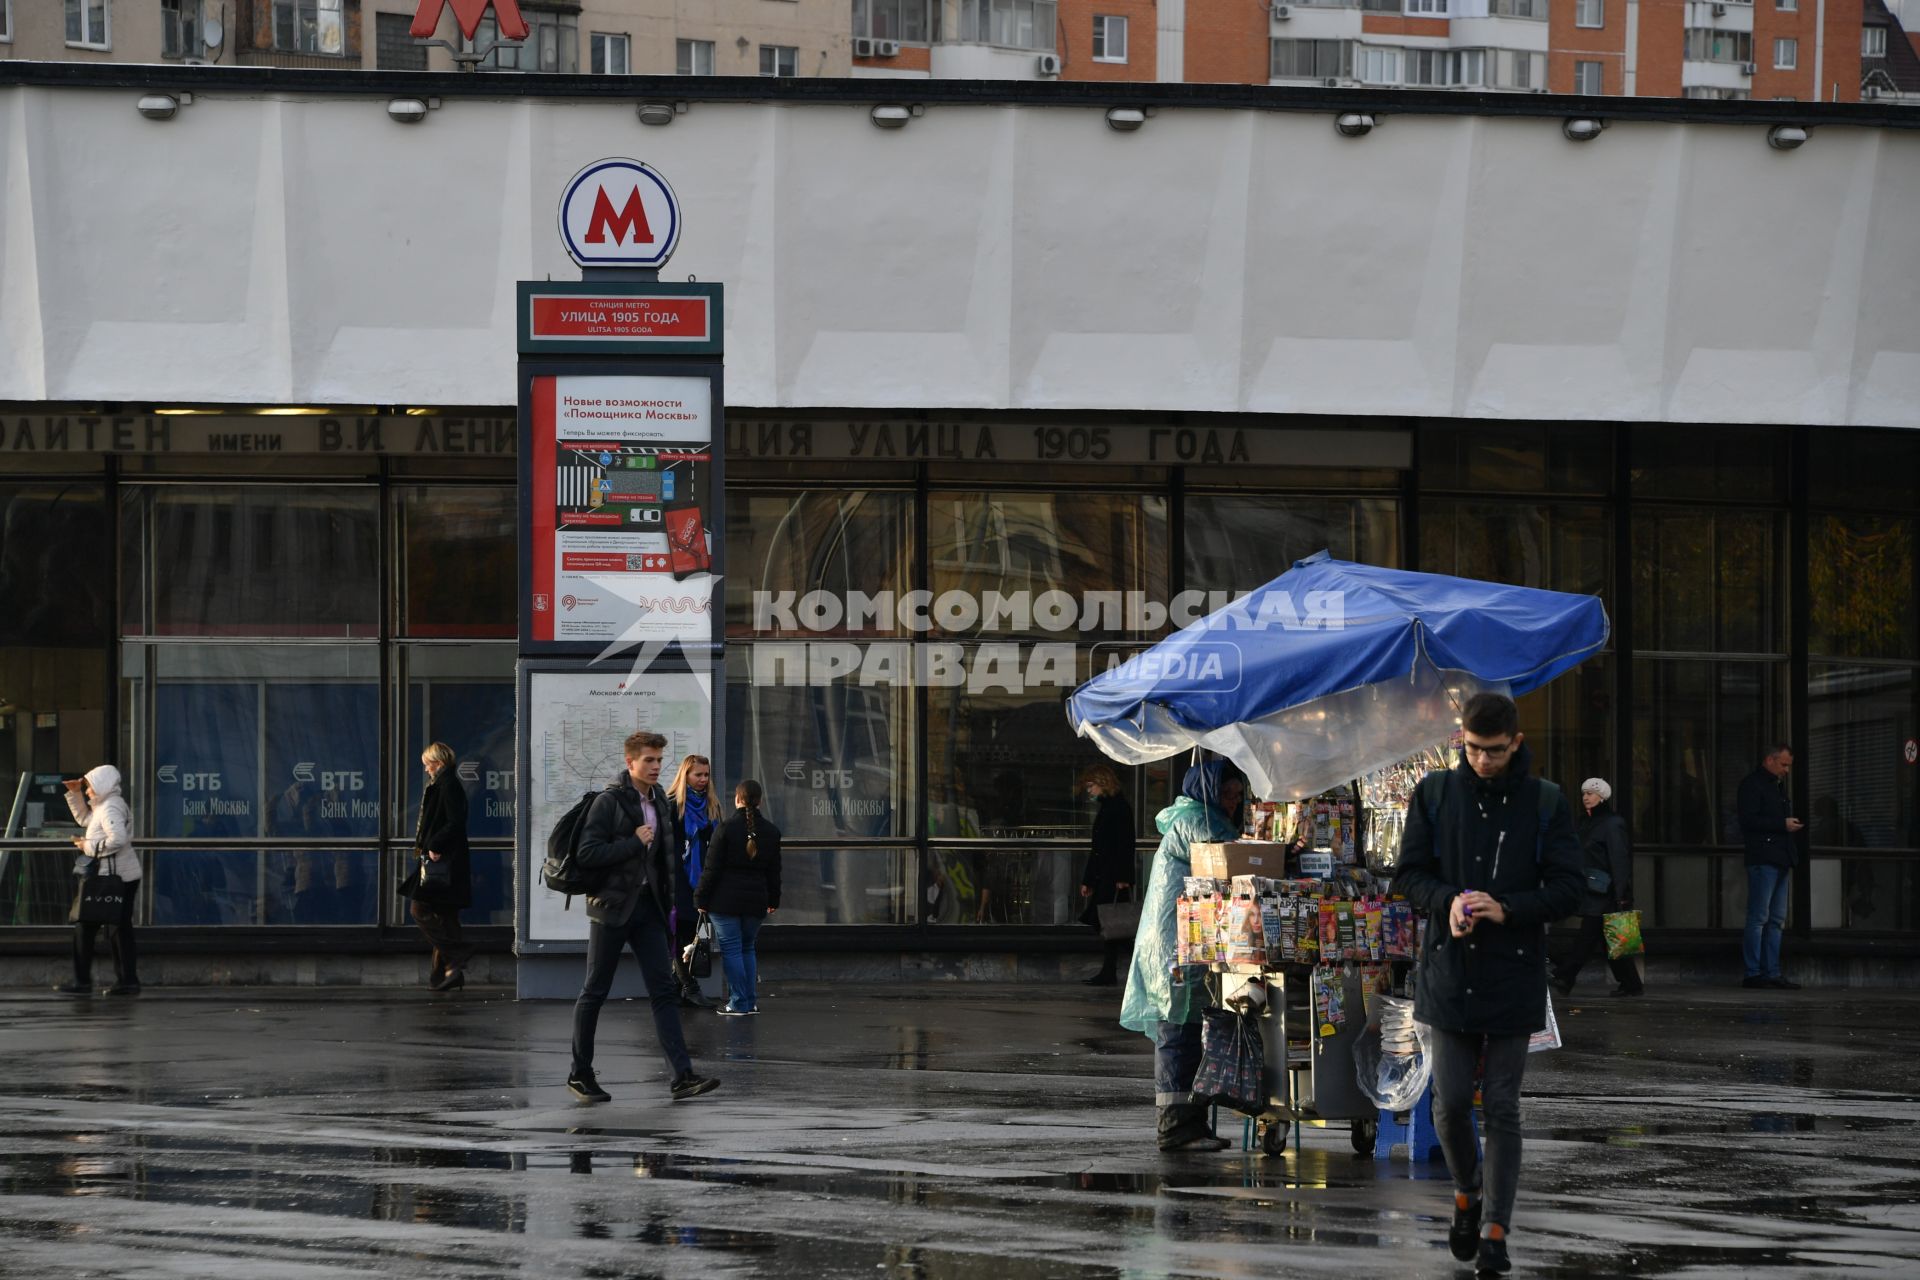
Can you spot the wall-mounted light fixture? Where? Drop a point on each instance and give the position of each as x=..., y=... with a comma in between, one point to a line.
x=894, y=115
x=411, y=110
x=1785, y=137
x=1353, y=124
x=660, y=112
x=1582, y=129
x=161, y=106
x=1125, y=119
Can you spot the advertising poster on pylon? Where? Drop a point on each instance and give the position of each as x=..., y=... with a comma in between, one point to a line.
x=621, y=497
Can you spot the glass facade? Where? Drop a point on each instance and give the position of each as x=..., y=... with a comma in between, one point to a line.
x=266, y=646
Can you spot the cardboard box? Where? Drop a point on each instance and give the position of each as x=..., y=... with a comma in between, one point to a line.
x=1240, y=858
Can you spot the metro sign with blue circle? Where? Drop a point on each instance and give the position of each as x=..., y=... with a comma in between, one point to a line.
x=619, y=213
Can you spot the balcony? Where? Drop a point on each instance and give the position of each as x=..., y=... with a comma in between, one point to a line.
x=310, y=61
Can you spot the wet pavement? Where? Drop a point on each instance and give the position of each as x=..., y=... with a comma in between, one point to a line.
x=931, y=1132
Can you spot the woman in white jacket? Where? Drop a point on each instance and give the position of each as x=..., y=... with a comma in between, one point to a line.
x=103, y=811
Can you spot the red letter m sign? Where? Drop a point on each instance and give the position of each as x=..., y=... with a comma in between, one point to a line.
x=468, y=14
x=631, y=220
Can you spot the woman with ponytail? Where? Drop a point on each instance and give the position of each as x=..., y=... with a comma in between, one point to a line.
x=739, y=888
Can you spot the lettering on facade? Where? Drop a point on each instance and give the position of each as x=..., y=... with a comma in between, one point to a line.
x=237, y=433
x=1012, y=442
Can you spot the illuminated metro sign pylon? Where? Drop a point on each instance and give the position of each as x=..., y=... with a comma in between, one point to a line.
x=506, y=14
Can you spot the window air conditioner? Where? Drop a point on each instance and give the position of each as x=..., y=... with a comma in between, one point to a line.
x=1281, y=13
x=1746, y=68
x=1049, y=64
x=1719, y=11
x=886, y=48
x=1332, y=82
x=862, y=47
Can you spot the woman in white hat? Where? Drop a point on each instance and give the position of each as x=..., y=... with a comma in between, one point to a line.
x=99, y=807
x=1607, y=855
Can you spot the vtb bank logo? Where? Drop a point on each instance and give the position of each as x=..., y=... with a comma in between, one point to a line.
x=619, y=213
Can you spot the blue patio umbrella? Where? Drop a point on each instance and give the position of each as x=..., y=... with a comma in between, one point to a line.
x=1333, y=670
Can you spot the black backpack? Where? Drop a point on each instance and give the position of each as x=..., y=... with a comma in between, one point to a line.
x=562, y=872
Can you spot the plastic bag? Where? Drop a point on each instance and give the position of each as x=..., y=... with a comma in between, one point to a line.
x=1622, y=929
x=1393, y=1059
x=1548, y=1037
x=1233, y=1063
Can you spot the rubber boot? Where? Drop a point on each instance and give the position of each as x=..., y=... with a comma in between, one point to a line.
x=1183, y=1126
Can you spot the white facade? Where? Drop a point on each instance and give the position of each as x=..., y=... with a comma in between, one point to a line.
x=273, y=248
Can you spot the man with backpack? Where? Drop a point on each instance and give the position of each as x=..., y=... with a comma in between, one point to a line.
x=629, y=836
x=1490, y=855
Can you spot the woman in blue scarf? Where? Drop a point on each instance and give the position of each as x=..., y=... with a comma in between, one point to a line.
x=1208, y=810
x=692, y=795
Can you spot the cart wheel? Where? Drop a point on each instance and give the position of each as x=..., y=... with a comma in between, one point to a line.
x=1274, y=1140
x=1363, y=1135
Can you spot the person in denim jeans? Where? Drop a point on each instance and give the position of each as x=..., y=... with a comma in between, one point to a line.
x=1767, y=828
x=739, y=888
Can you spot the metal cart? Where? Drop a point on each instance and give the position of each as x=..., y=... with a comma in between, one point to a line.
x=1309, y=1076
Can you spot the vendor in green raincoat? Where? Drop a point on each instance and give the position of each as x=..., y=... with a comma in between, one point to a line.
x=1208, y=810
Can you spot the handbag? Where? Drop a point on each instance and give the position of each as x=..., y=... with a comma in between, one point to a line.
x=698, y=956
x=1120, y=919
x=435, y=877
x=1622, y=930
x=102, y=898
x=1598, y=881
x=1547, y=1037
x=1233, y=1063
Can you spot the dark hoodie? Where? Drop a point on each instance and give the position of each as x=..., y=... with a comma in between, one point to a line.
x=1465, y=833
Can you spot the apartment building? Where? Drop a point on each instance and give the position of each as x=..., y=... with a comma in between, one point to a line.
x=615, y=37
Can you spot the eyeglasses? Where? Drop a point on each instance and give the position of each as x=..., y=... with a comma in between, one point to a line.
x=1489, y=751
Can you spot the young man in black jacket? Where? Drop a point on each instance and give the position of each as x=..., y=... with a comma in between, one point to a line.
x=1767, y=828
x=1489, y=854
x=631, y=832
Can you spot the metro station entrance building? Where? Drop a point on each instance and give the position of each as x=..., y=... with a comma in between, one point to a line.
x=260, y=517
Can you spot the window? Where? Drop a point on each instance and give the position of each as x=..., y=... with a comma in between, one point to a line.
x=1536, y=9
x=609, y=54
x=89, y=23
x=1236, y=543
x=778, y=59
x=1109, y=38
x=6, y=21
x=1321, y=59
x=914, y=21
x=1787, y=6
x=1873, y=41
x=1375, y=65
x=1520, y=75
x=1019, y=24
x=309, y=26
x=1786, y=54
x=1428, y=8
x=1590, y=13
x=693, y=57
x=1440, y=68
x=1708, y=45
x=552, y=43
x=180, y=28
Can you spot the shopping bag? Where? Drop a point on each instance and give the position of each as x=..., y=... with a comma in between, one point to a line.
x=1622, y=930
x=101, y=899
x=1548, y=1037
x=699, y=953
x=1233, y=1063
x=1119, y=921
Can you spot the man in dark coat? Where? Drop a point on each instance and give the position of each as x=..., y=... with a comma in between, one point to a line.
x=1489, y=854
x=630, y=831
x=1767, y=828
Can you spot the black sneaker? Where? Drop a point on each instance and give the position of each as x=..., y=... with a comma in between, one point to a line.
x=584, y=1087
x=1783, y=984
x=692, y=1085
x=1492, y=1258
x=124, y=989
x=1463, y=1237
x=1756, y=981
x=71, y=988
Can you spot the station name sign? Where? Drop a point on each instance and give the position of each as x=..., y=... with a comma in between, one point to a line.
x=1132, y=444
x=577, y=317
x=436, y=434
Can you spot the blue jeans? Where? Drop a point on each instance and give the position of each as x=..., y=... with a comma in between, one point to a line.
x=736, y=936
x=1766, y=916
x=646, y=933
x=1176, y=1061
